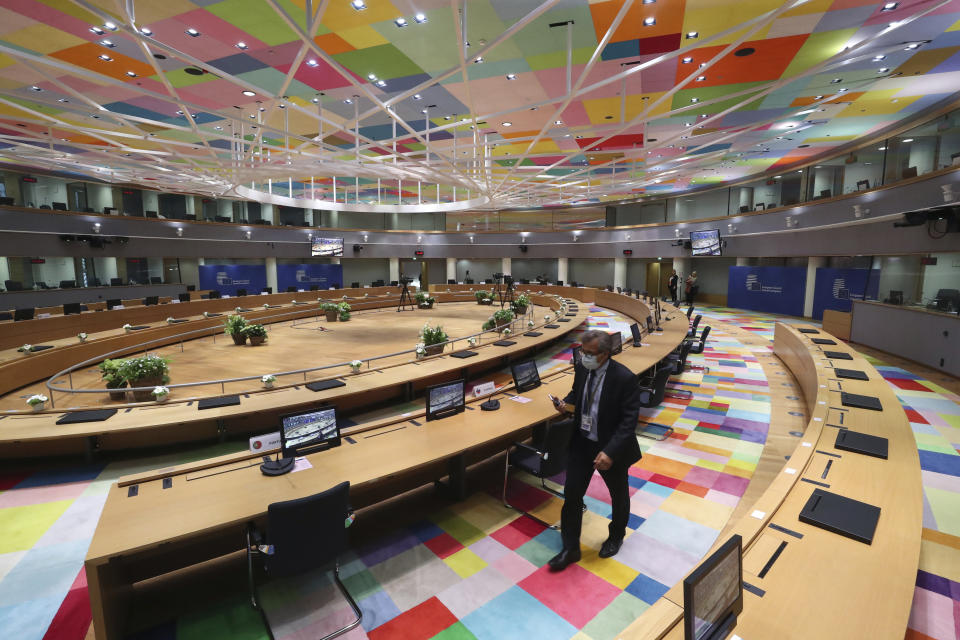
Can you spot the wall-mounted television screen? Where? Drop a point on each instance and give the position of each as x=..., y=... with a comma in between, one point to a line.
x=327, y=247
x=705, y=243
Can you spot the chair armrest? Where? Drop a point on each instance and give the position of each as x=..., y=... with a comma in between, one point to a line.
x=543, y=455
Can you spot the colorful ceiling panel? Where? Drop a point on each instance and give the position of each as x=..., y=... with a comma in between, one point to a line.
x=505, y=103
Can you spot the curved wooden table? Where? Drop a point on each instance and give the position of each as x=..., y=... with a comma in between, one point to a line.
x=200, y=516
x=823, y=585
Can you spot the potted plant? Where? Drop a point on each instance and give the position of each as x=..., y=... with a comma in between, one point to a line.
x=433, y=339
x=355, y=365
x=421, y=350
x=483, y=297
x=506, y=332
x=499, y=320
x=128, y=327
x=520, y=304
x=256, y=332
x=268, y=380
x=546, y=317
x=37, y=401
x=344, y=310
x=26, y=348
x=424, y=301
x=332, y=309
x=472, y=341
x=160, y=393
x=233, y=327
x=145, y=371
x=82, y=337
x=110, y=373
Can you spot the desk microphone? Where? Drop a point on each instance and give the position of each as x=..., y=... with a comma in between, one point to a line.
x=490, y=405
x=277, y=467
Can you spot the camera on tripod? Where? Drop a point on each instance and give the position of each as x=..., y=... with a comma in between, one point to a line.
x=405, y=280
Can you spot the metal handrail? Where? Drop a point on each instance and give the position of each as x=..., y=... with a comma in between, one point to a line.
x=51, y=382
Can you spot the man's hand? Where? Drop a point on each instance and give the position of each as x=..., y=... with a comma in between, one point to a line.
x=602, y=462
x=560, y=405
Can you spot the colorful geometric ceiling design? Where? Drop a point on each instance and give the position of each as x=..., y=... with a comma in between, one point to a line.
x=507, y=103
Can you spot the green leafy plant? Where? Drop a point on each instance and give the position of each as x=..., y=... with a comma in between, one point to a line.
x=486, y=326
x=520, y=303
x=503, y=316
x=149, y=367
x=255, y=331
x=110, y=372
x=432, y=335
x=234, y=324
x=344, y=311
x=481, y=295
x=329, y=306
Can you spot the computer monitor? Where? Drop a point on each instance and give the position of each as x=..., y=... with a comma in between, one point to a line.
x=156, y=280
x=308, y=431
x=450, y=281
x=151, y=300
x=60, y=206
x=68, y=284
x=23, y=314
x=705, y=242
x=444, y=399
x=112, y=302
x=713, y=593
x=183, y=297
x=214, y=294
x=525, y=375
x=649, y=325
x=71, y=308
x=116, y=282
x=616, y=343
x=635, y=332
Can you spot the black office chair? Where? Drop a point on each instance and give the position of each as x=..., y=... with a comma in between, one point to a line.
x=214, y=295
x=314, y=287
x=13, y=285
x=697, y=346
x=183, y=297
x=291, y=289
x=241, y=292
x=95, y=282
x=689, y=311
x=68, y=284
x=545, y=458
x=43, y=285
x=6, y=315
x=354, y=285
x=44, y=206
x=896, y=297
x=156, y=280
x=113, y=302
x=116, y=282
x=449, y=281
x=151, y=214
x=267, y=290
x=652, y=395
x=692, y=333
x=23, y=314
x=946, y=300
x=303, y=535
x=744, y=208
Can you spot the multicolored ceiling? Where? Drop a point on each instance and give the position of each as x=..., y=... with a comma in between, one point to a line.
x=502, y=102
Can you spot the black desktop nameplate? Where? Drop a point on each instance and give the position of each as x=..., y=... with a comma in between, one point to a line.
x=571, y=314
x=822, y=341
x=563, y=319
x=808, y=331
x=272, y=306
x=551, y=326
x=860, y=402
x=504, y=343
x=41, y=347
x=863, y=443
x=222, y=401
x=463, y=354
x=241, y=309
x=323, y=385
x=838, y=355
x=178, y=320
x=139, y=327
x=533, y=334
x=852, y=374
x=96, y=415
x=850, y=518
x=213, y=315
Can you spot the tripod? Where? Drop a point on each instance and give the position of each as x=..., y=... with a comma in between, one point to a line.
x=405, y=299
x=506, y=297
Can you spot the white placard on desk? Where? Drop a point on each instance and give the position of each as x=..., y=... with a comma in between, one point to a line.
x=806, y=444
x=821, y=402
x=818, y=419
x=119, y=306
x=299, y=290
x=224, y=296
x=759, y=515
x=266, y=442
x=484, y=389
x=790, y=471
x=43, y=315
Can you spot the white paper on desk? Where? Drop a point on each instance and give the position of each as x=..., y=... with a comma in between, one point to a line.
x=644, y=344
x=520, y=399
x=224, y=296
x=759, y=515
x=263, y=293
x=790, y=471
x=299, y=290
x=119, y=306
x=174, y=302
x=301, y=464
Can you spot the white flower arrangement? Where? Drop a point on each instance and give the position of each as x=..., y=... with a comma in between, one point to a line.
x=546, y=318
x=421, y=350
x=82, y=336
x=206, y=314
x=238, y=309
x=268, y=380
x=160, y=393
x=37, y=401
x=507, y=331
x=170, y=320
x=530, y=324
x=472, y=341
x=27, y=348
x=128, y=327
x=266, y=305
x=355, y=365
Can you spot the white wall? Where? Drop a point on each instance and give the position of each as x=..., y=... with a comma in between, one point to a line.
x=636, y=274
x=366, y=270
x=899, y=273
x=943, y=275
x=480, y=268
x=591, y=272
x=54, y=270
x=45, y=191
x=151, y=200
x=99, y=196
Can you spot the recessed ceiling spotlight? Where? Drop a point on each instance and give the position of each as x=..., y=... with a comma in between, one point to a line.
x=347, y=101
x=881, y=148
x=63, y=100
x=912, y=46
x=841, y=90
x=578, y=137
x=218, y=128
x=907, y=140
x=417, y=96
x=558, y=122
x=146, y=31
x=35, y=88
x=420, y=18
x=262, y=109
x=315, y=100
x=241, y=45
x=252, y=116
x=109, y=44
x=97, y=30
x=878, y=58
x=312, y=63
x=694, y=100
x=507, y=124
x=193, y=33
x=248, y=93
x=649, y=22
x=686, y=60
x=836, y=81
x=890, y=6
x=511, y=76
x=400, y=22
x=105, y=57
x=478, y=60
x=883, y=70
x=692, y=34
x=381, y=83
x=817, y=97
x=372, y=76
x=132, y=74
x=701, y=78
x=110, y=25
x=359, y=5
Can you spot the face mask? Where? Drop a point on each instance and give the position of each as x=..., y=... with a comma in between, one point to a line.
x=589, y=362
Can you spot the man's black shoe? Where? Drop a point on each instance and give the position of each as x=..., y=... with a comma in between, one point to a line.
x=564, y=559
x=610, y=547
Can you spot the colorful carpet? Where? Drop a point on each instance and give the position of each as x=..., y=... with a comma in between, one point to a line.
x=475, y=569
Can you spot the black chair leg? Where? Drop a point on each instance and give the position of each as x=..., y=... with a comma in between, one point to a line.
x=503, y=496
x=251, y=582
x=350, y=600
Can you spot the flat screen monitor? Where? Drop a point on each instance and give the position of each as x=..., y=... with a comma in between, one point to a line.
x=183, y=297
x=635, y=332
x=525, y=375
x=23, y=314
x=151, y=300
x=71, y=308
x=713, y=593
x=214, y=294
x=444, y=399
x=308, y=431
x=616, y=343
x=113, y=302
x=327, y=247
x=705, y=243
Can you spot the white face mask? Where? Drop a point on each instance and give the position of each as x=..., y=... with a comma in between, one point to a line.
x=589, y=361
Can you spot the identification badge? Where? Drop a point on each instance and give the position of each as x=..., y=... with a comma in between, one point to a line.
x=586, y=423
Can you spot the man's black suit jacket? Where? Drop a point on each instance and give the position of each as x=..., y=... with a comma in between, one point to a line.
x=617, y=412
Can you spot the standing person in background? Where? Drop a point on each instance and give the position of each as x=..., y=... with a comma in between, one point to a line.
x=691, y=287
x=672, y=285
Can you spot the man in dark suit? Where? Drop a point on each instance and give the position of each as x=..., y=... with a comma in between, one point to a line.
x=672, y=284
x=605, y=401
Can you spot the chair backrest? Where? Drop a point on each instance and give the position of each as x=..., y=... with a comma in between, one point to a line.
x=183, y=297
x=291, y=289
x=689, y=311
x=23, y=314
x=13, y=285
x=702, y=342
x=313, y=287
x=241, y=292
x=116, y=282
x=659, y=386
x=307, y=533
x=556, y=444
x=696, y=321
x=682, y=360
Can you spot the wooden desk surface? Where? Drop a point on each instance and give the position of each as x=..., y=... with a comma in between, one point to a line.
x=824, y=585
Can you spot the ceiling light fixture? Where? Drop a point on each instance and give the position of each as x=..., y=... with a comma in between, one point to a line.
x=878, y=58
x=890, y=6
x=372, y=76
x=105, y=57
x=417, y=96
x=912, y=46
x=381, y=83
x=241, y=45
x=883, y=70
x=248, y=93
x=558, y=122
x=400, y=22
x=108, y=44
x=687, y=60
x=694, y=100
x=359, y=5
x=511, y=76
x=420, y=18
x=97, y=30
x=507, y=124
x=35, y=88
x=110, y=25
x=701, y=78
x=836, y=81
x=146, y=31
x=692, y=34
x=347, y=101
x=649, y=22
x=193, y=33
x=907, y=140
x=312, y=63
x=132, y=74
x=478, y=60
